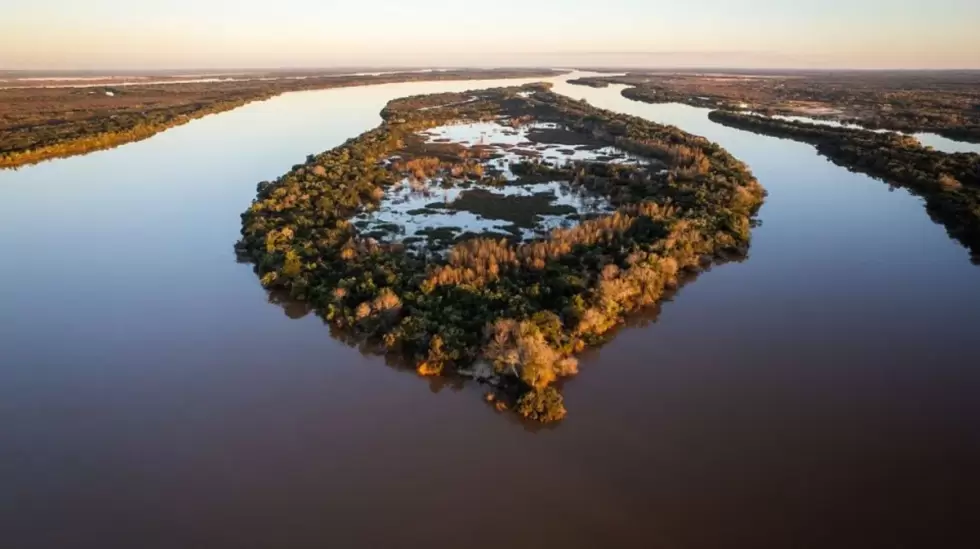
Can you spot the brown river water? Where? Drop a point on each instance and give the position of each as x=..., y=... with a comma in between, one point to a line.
x=825, y=392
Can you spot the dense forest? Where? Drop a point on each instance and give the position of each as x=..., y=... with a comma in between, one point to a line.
x=943, y=102
x=513, y=314
x=950, y=183
x=41, y=123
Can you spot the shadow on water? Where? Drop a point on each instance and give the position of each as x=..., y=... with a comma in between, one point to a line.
x=296, y=309
x=943, y=207
x=936, y=211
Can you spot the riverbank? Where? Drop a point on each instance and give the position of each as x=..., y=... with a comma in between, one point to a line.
x=940, y=102
x=949, y=183
x=41, y=124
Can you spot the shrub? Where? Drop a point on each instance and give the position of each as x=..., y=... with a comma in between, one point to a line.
x=545, y=405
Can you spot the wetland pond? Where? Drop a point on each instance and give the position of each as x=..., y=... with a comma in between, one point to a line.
x=432, y=212
x=820, y=393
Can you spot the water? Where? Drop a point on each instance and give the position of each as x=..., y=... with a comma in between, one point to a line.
x=821, y=393
x=933, y=140
x=430, y=206
x=418, y=205
x=946, y=144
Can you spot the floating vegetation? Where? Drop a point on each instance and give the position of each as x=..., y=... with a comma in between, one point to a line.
x=495, y=234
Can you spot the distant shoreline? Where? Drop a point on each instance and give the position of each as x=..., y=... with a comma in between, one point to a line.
x=40, y=123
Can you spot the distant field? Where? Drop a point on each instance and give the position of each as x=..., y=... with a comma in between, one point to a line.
x=68, y=79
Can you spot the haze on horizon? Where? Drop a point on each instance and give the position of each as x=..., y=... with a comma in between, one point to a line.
x=230, y=34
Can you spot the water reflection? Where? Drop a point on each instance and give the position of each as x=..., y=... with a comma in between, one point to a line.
x=292, y=308
x=821, y=393
x=296, y=309
x=758, y=152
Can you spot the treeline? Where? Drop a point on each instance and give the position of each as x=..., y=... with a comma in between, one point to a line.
x=652, y=94
x=647, y=92
x=31, y=145
x=40, y=124
x=948, y=124
x=590, y=82
x=949, y=182
x=517, y=311
x=943, y=102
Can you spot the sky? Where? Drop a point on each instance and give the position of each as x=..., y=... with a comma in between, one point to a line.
x=212, y=34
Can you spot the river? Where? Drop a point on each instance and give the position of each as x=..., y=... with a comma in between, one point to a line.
x=821, y=393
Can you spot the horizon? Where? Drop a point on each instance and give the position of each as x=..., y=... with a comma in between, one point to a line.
x=110, y=35
x=244, y=70
x=536, y=274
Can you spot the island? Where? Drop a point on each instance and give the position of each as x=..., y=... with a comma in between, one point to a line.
x=40, y=122
x=495, y=234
